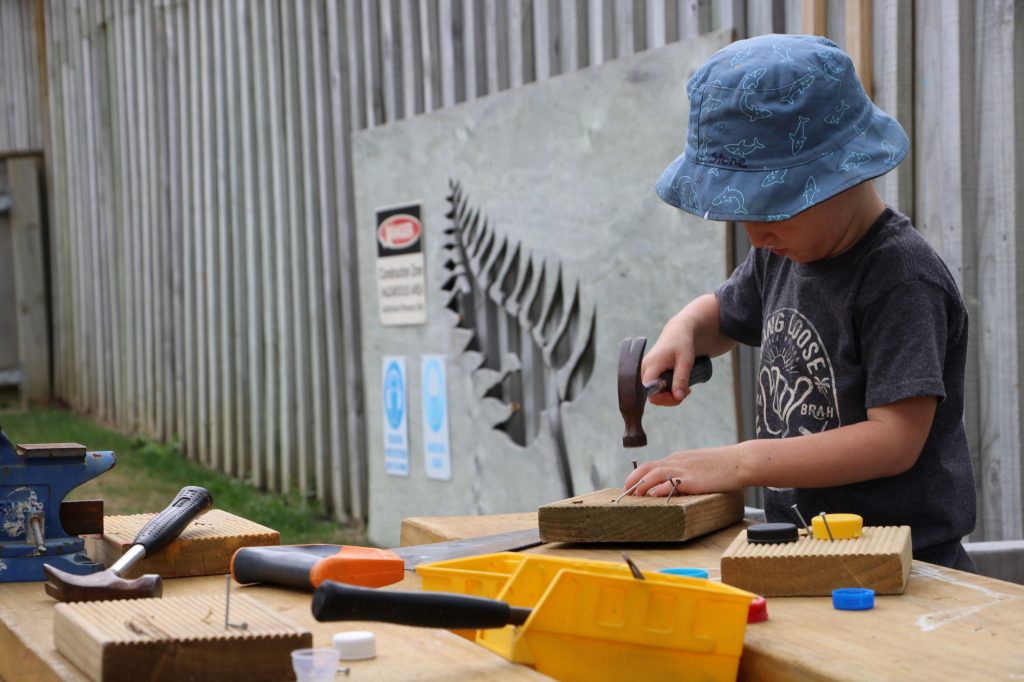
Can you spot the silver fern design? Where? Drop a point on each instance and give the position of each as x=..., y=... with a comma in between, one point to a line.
x=523, y=319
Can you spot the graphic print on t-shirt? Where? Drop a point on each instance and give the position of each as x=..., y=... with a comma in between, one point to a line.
x=796, y=387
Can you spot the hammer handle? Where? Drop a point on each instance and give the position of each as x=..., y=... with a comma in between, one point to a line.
x=190, y=502
x=334, y=601
x=700, y=373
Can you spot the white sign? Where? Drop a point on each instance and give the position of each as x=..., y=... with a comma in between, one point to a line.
x=401, y=279
x=396, y=431
x=434, y=387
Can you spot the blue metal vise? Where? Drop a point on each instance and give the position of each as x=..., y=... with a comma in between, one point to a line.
x=33, y=482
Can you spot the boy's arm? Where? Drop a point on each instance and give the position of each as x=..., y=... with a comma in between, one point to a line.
x=692, y=331
x=887, y=444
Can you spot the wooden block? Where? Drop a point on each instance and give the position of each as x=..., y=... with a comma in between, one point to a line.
x=597, y=517
x=54, y=450
x=879, y=559
x=81, y=517
x=205, y=546
x=180, y=638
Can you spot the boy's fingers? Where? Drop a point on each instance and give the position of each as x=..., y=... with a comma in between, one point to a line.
x=681, y=379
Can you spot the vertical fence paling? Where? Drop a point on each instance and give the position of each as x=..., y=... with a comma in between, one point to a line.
x=297, y=406
x=279, y=466
x=202, y=221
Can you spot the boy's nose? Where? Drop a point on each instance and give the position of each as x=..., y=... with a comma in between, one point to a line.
x=759, y=237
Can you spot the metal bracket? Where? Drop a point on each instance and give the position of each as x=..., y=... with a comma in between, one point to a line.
x=5, y=204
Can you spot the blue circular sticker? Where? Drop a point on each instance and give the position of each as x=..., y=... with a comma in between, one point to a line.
x=394, y=395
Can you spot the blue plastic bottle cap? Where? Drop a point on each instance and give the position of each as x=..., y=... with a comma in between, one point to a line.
x=688, y=572
x=853, y=599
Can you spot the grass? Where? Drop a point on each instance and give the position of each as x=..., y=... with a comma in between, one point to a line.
x=148, y=474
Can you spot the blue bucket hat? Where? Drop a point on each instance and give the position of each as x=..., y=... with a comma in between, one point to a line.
x=778, y=123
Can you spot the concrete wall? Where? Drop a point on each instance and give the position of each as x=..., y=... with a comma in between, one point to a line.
x=564, y=171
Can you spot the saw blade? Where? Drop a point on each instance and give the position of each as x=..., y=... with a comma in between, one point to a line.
x=513, y=541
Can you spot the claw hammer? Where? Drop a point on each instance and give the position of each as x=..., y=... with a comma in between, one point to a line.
x=633, y=394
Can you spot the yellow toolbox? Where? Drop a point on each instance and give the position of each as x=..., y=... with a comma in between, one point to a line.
x=592, y=620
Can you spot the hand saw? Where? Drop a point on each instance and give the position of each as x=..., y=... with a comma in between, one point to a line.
x=304, y=567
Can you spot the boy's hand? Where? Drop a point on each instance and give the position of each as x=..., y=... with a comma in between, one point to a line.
x=691, y=332
x=673, y=351
x=709, y=470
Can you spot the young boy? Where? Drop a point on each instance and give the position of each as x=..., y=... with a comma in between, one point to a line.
x=862, y=330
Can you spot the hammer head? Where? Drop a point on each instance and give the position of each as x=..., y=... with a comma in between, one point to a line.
x=68, y=587
x=632, y=395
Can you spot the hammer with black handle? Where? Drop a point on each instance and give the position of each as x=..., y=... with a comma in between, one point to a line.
x=190, y=502
x=633, y=394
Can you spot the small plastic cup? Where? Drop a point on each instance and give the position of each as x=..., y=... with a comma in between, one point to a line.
x=315, y=665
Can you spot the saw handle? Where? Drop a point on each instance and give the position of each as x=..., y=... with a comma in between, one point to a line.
x=334, y=601
x=275, y=566
x=699, y=373
x=190, y=502
x=304, y=567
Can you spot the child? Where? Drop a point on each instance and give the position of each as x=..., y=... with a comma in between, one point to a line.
x=862, y=330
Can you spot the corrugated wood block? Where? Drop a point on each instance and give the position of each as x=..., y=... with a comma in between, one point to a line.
x=597, y=517
x=205, y=546
x=879, y=559
x=181, y=638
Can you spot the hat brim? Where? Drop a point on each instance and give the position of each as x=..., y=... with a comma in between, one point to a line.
x=765, y=195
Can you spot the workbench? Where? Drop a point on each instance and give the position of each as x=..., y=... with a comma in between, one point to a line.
x=947, y=625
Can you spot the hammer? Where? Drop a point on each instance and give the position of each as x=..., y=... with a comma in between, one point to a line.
x=190, y=502
x=633, y=394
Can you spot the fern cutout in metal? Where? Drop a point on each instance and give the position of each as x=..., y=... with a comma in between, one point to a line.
x=534, y=337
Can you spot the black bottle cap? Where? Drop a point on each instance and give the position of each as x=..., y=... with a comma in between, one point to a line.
x=772, y=533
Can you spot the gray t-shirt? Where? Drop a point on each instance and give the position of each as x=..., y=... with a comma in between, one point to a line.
x=881, y=322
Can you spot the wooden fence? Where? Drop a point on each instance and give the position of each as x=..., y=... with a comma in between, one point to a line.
x=201, y=214
x=20, y=100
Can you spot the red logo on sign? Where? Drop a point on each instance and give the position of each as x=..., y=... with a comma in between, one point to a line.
x=399, y=231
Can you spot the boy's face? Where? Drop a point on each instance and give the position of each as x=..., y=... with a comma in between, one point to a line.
x=805, y=238
x=822, y=231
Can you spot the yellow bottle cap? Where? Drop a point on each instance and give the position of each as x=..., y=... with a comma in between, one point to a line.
x=843, y=526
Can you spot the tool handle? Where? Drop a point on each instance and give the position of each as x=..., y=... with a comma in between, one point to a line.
x=699, y=373
x=274, y=565
x=335, y=601
x=190, y=502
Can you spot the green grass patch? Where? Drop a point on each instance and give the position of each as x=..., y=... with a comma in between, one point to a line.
x=148, y=474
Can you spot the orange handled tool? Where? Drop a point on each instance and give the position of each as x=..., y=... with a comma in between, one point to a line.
x=304, y=567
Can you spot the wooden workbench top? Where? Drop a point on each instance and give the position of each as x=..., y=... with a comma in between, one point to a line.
x=947, y=623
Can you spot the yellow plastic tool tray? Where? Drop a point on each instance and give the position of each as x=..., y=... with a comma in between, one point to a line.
x=592, y=620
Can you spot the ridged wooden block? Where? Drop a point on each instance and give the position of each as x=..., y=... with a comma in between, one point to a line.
x=205, y=546
x=180, y=638
x=597, y=517
x=879, y=559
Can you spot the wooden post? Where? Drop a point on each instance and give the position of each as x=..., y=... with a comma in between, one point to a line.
x=858, y=40
x=29, y=276
x=815, y=13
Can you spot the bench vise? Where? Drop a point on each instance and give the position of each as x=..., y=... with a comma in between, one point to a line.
x=36, y=526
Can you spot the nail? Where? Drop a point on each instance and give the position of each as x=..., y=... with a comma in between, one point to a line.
x=800, y=518
x=675, y=482
x=633, y=568
x=828, y=530
x=635, y=486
